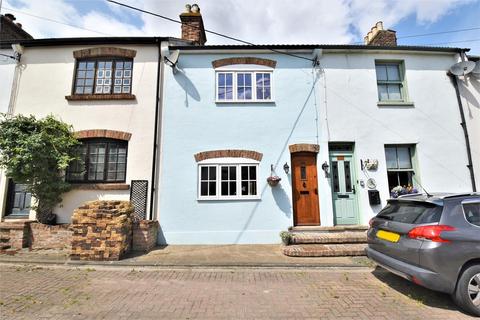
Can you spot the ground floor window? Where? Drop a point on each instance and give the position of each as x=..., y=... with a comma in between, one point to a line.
x=101, y=160
x=227, y=181
x=400, y=166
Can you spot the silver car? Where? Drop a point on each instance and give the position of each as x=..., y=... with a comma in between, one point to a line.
x=433, y=241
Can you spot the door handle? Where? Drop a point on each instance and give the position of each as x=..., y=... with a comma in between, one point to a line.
x=353, y=190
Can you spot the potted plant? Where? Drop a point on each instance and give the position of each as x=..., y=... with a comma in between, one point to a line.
x=273, y=180
x=400, y=191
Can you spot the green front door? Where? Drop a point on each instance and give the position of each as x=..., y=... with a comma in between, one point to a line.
x=343, y=181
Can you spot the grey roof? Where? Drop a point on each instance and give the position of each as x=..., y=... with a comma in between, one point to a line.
x=321, y=46
x=93, y=41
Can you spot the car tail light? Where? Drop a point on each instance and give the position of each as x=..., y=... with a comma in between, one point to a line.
x=431, y=233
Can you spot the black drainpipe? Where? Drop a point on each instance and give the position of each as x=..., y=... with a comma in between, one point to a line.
x=154, y=159
x=465, y=131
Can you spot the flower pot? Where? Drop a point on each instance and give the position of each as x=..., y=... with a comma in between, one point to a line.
x=273, y=181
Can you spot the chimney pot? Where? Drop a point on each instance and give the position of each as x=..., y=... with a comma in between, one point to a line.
x=192, y=25
x=10, y=16
x=377, y=36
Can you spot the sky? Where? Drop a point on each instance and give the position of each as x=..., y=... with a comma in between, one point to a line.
x=259, y=21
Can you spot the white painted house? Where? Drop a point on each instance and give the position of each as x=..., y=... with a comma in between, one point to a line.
x=469, y=89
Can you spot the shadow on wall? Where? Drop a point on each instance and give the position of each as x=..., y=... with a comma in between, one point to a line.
x=466, y=91
x=187, y=86
x=282, y=200
x=161, y=237
x=279, y=198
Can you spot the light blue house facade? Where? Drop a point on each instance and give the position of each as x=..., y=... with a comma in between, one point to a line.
x=247, y=135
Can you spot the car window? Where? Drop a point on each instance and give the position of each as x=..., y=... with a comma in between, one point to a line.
x=472, y=213
x=411, y=212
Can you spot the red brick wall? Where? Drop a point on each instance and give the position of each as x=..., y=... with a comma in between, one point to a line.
x=145, y=235
x=50, y=237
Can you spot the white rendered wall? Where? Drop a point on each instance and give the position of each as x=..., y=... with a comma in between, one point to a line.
x=470, y=92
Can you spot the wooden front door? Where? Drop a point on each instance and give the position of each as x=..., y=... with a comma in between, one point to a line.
x=305, y=189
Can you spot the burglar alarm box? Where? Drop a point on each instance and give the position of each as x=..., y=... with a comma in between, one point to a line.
x=374, y=197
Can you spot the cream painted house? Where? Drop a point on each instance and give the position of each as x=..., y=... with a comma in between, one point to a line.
x=109, y=90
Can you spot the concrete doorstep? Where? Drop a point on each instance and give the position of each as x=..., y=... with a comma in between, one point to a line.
x=255, y=256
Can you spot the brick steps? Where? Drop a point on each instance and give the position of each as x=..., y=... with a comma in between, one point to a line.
x=318, y=241
x=327, y=237
x=325, y=250
x=351, y=228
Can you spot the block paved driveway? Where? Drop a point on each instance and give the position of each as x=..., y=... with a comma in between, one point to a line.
x=29, y=292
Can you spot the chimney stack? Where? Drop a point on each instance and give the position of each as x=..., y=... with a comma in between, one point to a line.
x=381, y=37
x=10, y=29
x=192, y=25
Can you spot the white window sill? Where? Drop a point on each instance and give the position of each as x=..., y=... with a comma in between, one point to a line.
x=228, y=198
x=395, y=103
x=244, y=102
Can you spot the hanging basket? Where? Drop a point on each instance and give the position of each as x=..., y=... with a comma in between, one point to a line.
x=273, y=180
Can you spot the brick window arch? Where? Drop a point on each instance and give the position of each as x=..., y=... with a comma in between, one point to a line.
x=244, y=60
x=231, y=153
x=103, y=133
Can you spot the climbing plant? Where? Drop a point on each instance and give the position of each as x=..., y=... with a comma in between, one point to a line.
x=36, y=153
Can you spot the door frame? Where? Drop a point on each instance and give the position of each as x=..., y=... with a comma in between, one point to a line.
x=311, y=149
x=333, y=153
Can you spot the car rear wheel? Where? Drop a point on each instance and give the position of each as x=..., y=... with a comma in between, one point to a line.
x=467, y=294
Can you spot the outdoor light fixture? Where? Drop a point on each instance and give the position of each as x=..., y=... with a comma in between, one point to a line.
x=286, y=168
x=325, y=167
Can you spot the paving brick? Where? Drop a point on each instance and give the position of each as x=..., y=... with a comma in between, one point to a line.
x=112, y=293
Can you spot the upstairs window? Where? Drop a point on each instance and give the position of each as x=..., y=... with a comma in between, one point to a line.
x=390, y=82
x=101, y=160
x=244, y=86
x=103, y=76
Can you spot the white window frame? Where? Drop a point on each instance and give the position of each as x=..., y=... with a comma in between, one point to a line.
x=252, y=69
x=218, y=163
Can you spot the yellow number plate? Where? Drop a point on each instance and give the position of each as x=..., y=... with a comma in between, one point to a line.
x=388, y=236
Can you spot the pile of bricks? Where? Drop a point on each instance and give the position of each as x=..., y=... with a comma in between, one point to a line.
x=102, y=230
x=144, y=235
x=14, y=236
x=50, y=237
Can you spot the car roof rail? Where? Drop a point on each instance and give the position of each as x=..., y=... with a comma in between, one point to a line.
x=465, y=194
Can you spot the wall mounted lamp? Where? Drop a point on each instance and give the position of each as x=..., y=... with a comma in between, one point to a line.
x=286, y=168
x=325, y=167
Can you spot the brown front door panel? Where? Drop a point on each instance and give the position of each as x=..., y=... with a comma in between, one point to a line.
x=305, y=189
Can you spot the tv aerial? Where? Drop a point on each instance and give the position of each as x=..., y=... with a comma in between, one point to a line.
x=462, y=68
x=172, y=60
